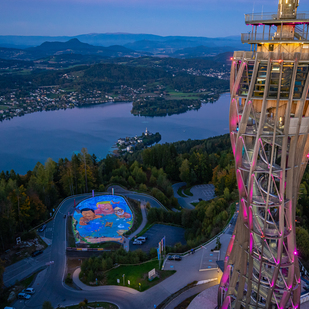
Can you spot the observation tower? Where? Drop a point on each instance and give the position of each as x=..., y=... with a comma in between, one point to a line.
x=269, y=125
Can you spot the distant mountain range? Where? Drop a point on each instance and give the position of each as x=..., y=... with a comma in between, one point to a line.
x=97, y=46
x=73, y=46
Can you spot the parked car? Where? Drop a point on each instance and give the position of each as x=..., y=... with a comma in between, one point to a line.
x=175, y=257
x=36, y=253
x=28, y=291
x=23, y=296
x=137, y=242
x=141, y=238
x=42, y=228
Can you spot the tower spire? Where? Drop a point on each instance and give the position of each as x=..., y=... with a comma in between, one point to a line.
x=287, y=8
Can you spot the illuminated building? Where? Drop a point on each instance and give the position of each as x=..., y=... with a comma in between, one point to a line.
x=269, y=124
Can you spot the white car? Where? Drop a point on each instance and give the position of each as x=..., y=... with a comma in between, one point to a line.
x=137, y=242
x=28, y=291
x=141, y=238
x=23, y=296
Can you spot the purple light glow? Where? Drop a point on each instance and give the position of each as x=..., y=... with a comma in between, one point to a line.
x=251, y=243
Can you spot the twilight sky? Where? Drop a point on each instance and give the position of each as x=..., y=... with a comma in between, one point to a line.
x=210, y=18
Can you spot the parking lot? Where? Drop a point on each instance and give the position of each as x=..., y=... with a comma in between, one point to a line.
x=172, y=235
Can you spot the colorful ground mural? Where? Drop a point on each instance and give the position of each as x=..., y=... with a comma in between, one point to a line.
x=100, y=219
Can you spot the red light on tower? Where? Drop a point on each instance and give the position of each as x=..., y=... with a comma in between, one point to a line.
x=231, y=58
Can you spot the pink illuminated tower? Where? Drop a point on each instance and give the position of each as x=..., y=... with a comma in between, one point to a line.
x=269, y=125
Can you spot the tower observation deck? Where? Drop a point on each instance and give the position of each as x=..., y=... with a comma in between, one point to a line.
x=269, y=126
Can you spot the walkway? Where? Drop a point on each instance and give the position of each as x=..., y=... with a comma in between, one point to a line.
x=143, y=224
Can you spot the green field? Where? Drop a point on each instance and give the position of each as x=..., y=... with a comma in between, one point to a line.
x=194, y=203
x=137, y=274
x=179, y=192
x=3, y=107
x=174, y=95
x=187, y=191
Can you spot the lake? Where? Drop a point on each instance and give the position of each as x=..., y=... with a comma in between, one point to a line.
x=58, y=134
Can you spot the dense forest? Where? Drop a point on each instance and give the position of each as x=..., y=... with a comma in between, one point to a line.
x=27, y=200
x=162, y=107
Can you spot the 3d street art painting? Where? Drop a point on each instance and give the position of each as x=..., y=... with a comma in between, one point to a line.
x=100, y=219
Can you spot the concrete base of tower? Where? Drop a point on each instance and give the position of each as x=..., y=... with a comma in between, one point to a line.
x=206, y=300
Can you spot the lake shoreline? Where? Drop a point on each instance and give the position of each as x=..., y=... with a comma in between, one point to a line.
x=38, y=136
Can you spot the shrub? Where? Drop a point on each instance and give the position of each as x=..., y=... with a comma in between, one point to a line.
x=101, y=188
x=68, y=279
x=143, y=187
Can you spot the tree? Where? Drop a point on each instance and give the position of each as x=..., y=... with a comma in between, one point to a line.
x=131, y=182
x=143, y=187
x=153, y=180
x=101, y=188
x=185, y=174
x=90, y=276
x=302, y=240
x=226, y=194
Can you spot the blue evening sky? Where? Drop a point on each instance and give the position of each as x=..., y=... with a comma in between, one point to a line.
x=210, y=18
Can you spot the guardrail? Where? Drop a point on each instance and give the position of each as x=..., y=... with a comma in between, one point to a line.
x=144, y=194
x=304, y=298
x=207, y=242
x=266, y=37
x=274, y=16
x=153, y=198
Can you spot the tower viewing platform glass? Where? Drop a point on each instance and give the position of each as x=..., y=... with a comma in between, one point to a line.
x=269, y=126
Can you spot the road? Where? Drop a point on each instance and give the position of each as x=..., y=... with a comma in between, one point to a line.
x=50, y=286
x=181, y=201
x=200, y=192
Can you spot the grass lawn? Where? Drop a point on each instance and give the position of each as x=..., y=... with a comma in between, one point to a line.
x=194, y=204
x=25, y=283
x=3, y=107
x=145, y=229
x=137, y=274
x=103, y=305
x=187, y=191
x=179, y=192
x=182, y=95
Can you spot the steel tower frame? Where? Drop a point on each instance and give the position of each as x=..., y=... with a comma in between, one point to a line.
x=269, y=130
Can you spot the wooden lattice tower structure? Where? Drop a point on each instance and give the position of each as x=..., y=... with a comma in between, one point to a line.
x=269, y=125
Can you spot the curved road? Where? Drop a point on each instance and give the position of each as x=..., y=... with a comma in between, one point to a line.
x=51, y=287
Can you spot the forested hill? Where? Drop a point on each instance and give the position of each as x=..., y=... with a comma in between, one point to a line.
x=27, y=200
